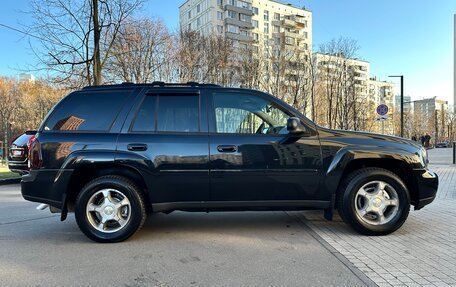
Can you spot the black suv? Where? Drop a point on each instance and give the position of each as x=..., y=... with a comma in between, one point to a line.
x=112, y=154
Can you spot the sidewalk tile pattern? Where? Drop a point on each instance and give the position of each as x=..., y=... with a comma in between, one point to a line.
x=421, y=253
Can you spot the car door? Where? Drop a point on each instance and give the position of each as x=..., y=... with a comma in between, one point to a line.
x=252, y=156
x=166, y=137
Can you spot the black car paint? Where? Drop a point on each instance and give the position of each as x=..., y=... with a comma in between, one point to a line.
x=187, y=171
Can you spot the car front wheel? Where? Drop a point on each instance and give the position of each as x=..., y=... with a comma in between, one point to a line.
x=110, y=209
x=373, y=201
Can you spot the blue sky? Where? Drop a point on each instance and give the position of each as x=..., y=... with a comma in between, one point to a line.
x=409, y=37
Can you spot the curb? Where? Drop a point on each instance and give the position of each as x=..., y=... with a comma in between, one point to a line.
x=10, y=181
x=358, y=273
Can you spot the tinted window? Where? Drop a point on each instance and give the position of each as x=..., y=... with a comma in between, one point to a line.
x=178, y=113
x=87, y=111
x=248, y=114
x=145, y=118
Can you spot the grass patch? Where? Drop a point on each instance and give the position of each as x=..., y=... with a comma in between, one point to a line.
x=6, y=173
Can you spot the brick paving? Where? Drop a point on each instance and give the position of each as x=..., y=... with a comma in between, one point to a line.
x=421, y=253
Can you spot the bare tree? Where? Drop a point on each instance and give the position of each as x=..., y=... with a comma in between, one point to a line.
x=337, y=83
x=77, y=36
x=142, y=53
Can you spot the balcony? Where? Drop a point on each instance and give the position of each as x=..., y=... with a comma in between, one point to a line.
x=239, y=37
x=239, y=23
x=237, y=9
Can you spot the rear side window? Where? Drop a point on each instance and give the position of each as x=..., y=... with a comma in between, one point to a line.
x=87, y=111
x=168, y=113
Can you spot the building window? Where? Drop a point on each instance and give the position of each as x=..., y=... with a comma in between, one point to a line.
x=219, y=2
x=189, y=26
x=244, y=33
x=244, y=5
x=255, y=36
x=305, y=35
x=266, y=28
x=232, y=2
x=266, y=15
x=198, y=8
x=219, y=15
x=198, y=22
x=245, y=18
x=276, y=29
x=255, y=23
x=255, y=10
x=232, y=29
x=276, y=16
x=289, y=40
x=232, y=15
x=220, y=29
x=189, y=14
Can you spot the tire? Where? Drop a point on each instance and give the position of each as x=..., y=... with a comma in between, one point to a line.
x=115, y=200
x=367, y=194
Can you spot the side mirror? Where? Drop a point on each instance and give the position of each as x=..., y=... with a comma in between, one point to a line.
x=295, y=127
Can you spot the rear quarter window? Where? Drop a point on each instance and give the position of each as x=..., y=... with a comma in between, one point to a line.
x=87, y=111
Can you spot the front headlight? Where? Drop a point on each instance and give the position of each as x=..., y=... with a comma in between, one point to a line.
x=424, y=157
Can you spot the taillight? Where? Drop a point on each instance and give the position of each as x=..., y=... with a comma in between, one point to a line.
x=35, y=159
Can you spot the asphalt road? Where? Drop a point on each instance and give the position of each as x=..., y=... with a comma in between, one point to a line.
x=179, y=249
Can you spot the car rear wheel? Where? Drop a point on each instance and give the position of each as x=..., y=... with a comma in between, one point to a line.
x=110, y=209
x=373, y=201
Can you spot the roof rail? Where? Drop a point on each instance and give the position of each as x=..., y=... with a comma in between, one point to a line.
x=153, y=84
x=192, y=84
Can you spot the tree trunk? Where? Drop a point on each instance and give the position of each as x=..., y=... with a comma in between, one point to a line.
x=96, y=44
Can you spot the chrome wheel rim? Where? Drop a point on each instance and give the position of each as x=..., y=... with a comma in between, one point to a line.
x=376, y=203
x=108, y=210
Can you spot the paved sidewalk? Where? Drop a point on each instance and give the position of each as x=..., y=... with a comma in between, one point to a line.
x=421, y=253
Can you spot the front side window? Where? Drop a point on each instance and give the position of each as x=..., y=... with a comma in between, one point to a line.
x=87, y=111
x=168, y=113
x=248, y=114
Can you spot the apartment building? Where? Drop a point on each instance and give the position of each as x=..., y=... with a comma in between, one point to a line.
x=407, y=104
x=249, y=22
x=355, y=70
x=430, y=116
x=382, y=92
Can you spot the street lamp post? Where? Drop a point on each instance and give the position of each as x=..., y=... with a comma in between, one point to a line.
x=402, y=102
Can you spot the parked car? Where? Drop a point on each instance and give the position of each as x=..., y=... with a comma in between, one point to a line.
x=442, y=144
x=113, y=154
x=18, y=153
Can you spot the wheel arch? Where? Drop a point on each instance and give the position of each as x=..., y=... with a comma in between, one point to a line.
x=395, y=165
x=84, y=173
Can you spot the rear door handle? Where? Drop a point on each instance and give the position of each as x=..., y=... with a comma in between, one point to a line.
x=137, y=147
x=227, y=148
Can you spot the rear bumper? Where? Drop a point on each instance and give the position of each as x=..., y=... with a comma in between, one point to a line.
x=45, y=186
x=427, y=184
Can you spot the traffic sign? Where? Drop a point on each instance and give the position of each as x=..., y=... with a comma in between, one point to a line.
x=382, y=109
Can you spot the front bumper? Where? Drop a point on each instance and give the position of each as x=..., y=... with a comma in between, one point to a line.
x=427, y=184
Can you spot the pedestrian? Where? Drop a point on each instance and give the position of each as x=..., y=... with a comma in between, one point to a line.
x=422, y=139
x=414, y=138
x=427, y=140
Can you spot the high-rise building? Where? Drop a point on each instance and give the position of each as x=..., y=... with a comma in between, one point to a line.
x=249, y=22
x=430, y=116
x=407, y=103
x=333, y=66
x=382, y=92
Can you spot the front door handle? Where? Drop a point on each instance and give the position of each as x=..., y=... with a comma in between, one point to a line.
x=227, y=148
x=137, y=147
